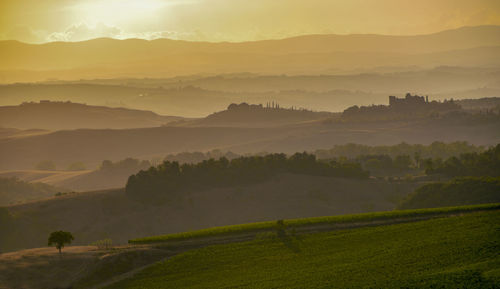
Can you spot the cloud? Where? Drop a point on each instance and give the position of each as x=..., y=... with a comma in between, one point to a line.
x=83, y=31
x=160, y=34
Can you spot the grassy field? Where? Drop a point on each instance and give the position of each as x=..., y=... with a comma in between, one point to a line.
x=458, y=251
x=304, y=222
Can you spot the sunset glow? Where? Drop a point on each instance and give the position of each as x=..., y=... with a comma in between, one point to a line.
x=35, y=21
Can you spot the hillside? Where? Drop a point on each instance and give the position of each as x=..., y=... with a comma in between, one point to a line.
x=467, y=46
x=13, y=132
x=402, y=255
x=403, y=251
x=244, y=114
x=109, y=175
x=112, y=214
x=93, y=146
x=201, y=95
x=80, y=181
x=52, y=115
x=13, y=190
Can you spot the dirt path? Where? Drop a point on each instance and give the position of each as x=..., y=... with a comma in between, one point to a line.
x=123, y=276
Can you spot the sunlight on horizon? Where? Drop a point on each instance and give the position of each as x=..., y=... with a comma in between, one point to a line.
x=35, y=21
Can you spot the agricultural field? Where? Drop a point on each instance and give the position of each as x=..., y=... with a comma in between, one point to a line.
x=449, y=247
x=458, y=251
x=328, y=222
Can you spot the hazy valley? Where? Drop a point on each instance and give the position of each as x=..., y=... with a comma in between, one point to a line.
x=322, y=160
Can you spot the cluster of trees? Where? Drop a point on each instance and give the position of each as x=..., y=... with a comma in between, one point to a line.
x=386, y=163
x=128, y=164
x=419, y=151
x=457, y=192
x=171, y=176
x=486, y=163
x=196, y=157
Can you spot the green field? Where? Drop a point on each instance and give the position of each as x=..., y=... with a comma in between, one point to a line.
x=305, y=222
x=459, y=250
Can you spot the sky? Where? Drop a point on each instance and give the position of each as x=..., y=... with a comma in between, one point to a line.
x=39, y=21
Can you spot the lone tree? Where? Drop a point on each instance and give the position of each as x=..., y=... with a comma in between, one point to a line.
x=59, y=238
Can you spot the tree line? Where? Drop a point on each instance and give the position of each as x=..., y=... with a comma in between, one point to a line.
x=171, y=176
x=128, y=164
x=456, y=192
x=433, y=150
x=486, y=163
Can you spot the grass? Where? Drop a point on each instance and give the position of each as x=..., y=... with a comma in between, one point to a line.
x=344, y=219
x=457, y=252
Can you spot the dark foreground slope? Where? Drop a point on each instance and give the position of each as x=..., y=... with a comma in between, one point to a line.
x=111, y=214
x=438, y=248
x=454, y=252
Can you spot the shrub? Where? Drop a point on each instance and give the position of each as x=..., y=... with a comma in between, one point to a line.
x=104, y=244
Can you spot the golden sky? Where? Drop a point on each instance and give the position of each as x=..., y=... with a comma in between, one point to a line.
x=38, y=21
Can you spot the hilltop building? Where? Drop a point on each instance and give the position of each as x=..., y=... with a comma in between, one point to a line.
x=408, y=100
x=411, y=106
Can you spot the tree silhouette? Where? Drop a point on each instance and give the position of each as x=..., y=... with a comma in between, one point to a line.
x=171, y=177
x=59, y=239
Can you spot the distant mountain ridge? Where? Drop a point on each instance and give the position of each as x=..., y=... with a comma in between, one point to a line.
x=467, y=46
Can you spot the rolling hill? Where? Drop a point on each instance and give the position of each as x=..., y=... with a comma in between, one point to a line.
x=50, y=115
x=251, y=115
x=14, y=132
x=94, y=146
x=79, y=181
x=14, y=190
x=201, y=95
